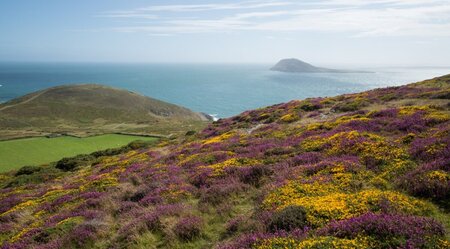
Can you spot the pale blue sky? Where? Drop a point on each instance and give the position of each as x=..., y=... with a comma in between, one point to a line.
x=326, y=32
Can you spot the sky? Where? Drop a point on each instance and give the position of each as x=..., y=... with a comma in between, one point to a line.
x=324, y=32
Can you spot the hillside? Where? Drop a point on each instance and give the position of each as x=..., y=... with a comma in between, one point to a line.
x=364, y=170
x=92, y=109
x=298, y=66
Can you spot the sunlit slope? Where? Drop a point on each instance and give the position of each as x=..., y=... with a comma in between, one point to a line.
x=364, y=170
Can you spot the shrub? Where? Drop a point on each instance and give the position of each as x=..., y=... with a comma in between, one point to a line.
x=307, y=158
x=308, y=106
x=411, y=123
x=38, y=175
x=8, y=203
x=126, y=206
x=138, y=144
x=314, y=243
x=201, y=178
x=289, y=218
x=349, y=106
x=27, y=170
x=131, y=229
x=190, y=133
x=389, y=97
x=445, y=94
x=253, y=175
x=188, y=228
x=218, y=193
x=390, y=231
x=289, y=118
x=139, y=195
x=152, y=221
x=83, y=235
x=278, y=151
x=70, y=163
x=232, y=225
x=430, y=180
x=254, y=239
x=429, y=148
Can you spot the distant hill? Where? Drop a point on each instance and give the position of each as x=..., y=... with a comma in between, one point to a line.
x=92, y=109
x=298, y=66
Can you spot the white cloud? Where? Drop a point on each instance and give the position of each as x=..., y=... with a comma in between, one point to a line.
x=356, y=17
x=210, y=7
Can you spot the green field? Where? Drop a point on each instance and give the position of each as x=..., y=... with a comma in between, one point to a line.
x=36, y=151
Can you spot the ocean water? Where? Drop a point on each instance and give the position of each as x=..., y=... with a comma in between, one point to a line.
x=221, y=90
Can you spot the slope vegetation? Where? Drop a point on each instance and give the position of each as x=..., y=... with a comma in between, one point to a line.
x=365, y=170
x=84, y=110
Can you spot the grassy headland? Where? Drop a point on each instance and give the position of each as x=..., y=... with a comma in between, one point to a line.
x=87, y=110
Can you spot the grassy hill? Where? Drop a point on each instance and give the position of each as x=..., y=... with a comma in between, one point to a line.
x=85, y=110
x=364, y=170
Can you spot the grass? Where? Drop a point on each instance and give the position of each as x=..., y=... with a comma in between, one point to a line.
x=36, y=151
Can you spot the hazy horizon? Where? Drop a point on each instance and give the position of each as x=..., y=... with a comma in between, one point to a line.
x=361, y=65
x=327, y=32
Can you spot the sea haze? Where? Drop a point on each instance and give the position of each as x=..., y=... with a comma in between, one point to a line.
x=220, y=89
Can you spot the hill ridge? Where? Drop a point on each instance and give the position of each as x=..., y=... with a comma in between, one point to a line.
x=81, y=108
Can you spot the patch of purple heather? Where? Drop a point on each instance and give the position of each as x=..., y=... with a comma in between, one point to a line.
x=307, y=158
x=188, y=228
x=421, y=182
x=393, y=230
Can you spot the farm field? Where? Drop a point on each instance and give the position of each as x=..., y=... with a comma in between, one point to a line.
x=36, y=151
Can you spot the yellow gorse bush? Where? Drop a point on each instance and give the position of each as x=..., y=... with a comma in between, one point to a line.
x=47, y=197
x=219, y=138
x=325, y=201
x=290, y=117
x=218, y=168
x=374, y=146
x=409, y=110
x=439, y=175
x=26, y=230
x=317, y=242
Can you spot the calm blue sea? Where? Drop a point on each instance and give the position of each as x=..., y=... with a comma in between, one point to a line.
x=222, y=90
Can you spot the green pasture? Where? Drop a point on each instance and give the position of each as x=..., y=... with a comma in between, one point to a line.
x=36, y=151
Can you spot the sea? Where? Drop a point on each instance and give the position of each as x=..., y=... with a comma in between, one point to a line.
x=221, y=90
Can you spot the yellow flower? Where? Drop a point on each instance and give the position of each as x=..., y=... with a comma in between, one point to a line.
x=325, y=202
x=25, y=230
x=219, y=138
x=289, y=118
x=232, y=162
x=409, y=110
x=439, y=175
x=317, y=242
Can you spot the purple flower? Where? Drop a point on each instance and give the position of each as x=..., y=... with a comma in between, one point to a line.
x=393, y=230
x=188, y=228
